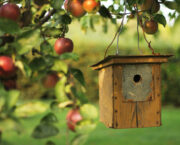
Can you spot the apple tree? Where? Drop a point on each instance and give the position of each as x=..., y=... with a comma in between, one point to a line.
x=33, y=44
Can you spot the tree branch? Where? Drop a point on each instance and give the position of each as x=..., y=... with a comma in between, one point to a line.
x=47, y=17
x=122, y=14
x=137, y=12
x=148, y=42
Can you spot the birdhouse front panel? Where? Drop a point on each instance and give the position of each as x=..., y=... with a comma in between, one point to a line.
x=137, y=82
x=137, y=113
x=130, y=91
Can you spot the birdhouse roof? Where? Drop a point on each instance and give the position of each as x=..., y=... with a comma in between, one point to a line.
x=131, y=59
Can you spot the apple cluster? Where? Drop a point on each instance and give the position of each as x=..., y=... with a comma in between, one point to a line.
x=78, y=8
x=151, y=7
x=7, y=67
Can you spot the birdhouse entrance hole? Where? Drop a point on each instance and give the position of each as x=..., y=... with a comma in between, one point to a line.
x=130, y=90
x=137, y=78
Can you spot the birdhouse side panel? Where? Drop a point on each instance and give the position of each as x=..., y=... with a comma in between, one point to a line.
x=124, y=112
x=149, y=112
x=106, y=96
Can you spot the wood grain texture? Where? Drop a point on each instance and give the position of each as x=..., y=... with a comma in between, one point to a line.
x=124, y=112
x=137, y=91
x=106, y=96
x=149, y=112
x=139, y=113
x=133, y=60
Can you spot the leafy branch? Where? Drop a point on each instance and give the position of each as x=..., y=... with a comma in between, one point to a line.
x=148, y=42
x=47, y=17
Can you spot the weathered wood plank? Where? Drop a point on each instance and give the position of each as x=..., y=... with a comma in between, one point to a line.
x=137, y=89
x=149, y=112
x=124, y=113
x=133, y=60
x=106, y=96
x=115, y=112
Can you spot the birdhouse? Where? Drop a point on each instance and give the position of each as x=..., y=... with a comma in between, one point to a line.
x=130, y=90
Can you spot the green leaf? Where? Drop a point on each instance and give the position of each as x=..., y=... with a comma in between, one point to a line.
x=54, y=105
x=78, y=75
x=105, y=26
x=89, y=111
x=37, y=64
x=72, y=56
x=25, y=69
x=114, y=21
x=52, y=32
x=79, y=95
x=12, y=98
x=27, y=41
x=85, y=22
x=60, y=89
x=2, y=102
x=57, y=4
x=65, y=104
x=117, y=2
x=131, y=2
x=91, y=23
x=30, y=109
x=50, y=143
x=60, y=66
x=65, y=19
x=9, y=26
x=9, y=125
x=104, y=12
x=49, y=118
x=85, y=127
x=160, y=19
x=46, y=48
x=40, y=63
x=44, y=131
x=3, y=92
x=171, y=5
x=79, y=139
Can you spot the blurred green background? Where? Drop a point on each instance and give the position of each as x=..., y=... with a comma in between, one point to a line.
x=91, y=46
x=168, y=134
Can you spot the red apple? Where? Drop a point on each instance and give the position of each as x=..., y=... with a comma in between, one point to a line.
x=6, y=64
x=10, y=11
x=72, y=118
x=91, y=6
x=75, y=7
x=63, y=45
x=150, y=27
x=8, y=74
x=7, y=68
x=50, y=80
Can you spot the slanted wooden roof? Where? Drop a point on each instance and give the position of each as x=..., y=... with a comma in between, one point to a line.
x=130, y=59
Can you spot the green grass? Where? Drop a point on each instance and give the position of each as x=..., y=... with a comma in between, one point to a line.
x=168, y=134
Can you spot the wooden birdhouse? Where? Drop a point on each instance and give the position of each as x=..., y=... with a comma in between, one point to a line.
x=130, y=90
